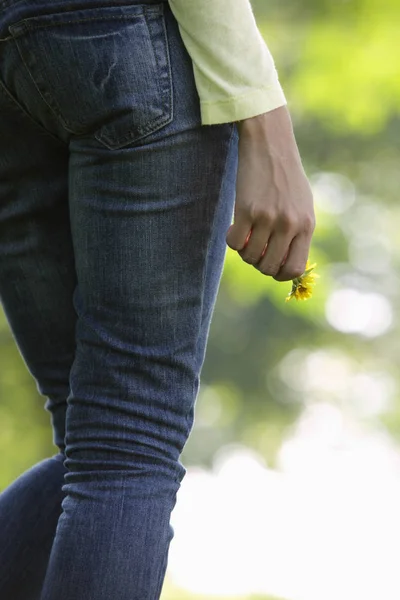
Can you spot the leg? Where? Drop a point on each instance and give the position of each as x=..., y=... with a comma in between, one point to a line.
x=145, y=277
x=29, y=511
x=149, y=228
x=37, y=270
x=148, y=225
x=37, y=279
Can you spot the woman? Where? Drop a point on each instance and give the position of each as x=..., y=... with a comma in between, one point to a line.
x=130, y=132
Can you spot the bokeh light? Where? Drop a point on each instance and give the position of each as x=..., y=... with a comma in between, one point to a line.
x=352, y=311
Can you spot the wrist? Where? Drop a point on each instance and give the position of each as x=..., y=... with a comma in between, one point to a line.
x=273, y=130
x=266, y=123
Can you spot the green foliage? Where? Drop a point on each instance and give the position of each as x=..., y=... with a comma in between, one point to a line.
x=338, y=62
x=25, y=437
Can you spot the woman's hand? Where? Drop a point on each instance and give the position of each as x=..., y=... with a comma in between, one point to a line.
x=274, y=203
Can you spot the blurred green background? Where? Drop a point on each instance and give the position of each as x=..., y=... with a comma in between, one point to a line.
x=338, y=62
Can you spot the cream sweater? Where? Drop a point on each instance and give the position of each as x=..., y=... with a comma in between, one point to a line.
x=233, y=68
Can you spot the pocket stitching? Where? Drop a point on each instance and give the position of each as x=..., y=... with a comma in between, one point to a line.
x=23, y=26
x=170, y=77
x=156, y=63
x=163, y=120
x=168, y=57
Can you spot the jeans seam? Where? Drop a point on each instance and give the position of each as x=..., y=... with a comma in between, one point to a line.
x=209, y=241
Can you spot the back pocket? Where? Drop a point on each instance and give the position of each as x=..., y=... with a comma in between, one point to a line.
x=102, y=71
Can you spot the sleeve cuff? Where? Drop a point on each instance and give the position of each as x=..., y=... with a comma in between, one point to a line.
x=242, y=107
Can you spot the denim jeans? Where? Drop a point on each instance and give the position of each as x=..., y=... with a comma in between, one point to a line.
x=114, y=206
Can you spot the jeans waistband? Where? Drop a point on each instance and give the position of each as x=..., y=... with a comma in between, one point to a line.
x=68, y=4
x=12, y=11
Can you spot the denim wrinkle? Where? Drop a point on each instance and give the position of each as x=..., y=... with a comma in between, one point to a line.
x=114, y=207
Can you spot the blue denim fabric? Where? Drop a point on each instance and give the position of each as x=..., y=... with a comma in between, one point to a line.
x=114, y=207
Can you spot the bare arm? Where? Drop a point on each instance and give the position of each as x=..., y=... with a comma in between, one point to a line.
x=273, y=198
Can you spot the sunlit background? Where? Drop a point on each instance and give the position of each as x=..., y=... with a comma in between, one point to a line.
x=292, y=489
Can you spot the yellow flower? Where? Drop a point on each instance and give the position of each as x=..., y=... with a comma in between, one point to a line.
x=302, y=286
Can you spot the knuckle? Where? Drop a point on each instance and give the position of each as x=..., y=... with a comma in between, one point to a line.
x=261, y=214
x=254, y=212
x=287, y=222
x=309, y=223
x=267, y=217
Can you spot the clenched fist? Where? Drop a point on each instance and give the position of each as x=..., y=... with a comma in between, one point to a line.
x=274, y=208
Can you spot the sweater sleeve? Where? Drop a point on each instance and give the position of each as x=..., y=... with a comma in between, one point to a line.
x=234, y=70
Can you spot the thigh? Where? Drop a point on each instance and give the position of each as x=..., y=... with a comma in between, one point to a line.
x=37, y=271
x=150, y=199
x=148, y=222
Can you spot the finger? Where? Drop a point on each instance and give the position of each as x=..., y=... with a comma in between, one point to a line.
x=239, y=233
x=265, y=249
x=277, y=248
x=247, y=239
x=295, y=264
x=256, y=245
